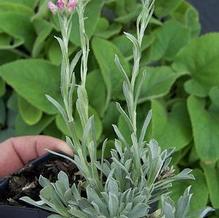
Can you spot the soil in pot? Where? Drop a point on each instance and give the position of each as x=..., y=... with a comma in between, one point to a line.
x=25, y=181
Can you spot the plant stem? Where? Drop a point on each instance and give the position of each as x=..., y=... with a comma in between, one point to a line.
x=142, y=23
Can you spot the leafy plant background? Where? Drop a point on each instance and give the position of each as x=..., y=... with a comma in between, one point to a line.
x=181, y=83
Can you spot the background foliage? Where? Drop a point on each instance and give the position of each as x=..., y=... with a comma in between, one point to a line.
x=181, y=83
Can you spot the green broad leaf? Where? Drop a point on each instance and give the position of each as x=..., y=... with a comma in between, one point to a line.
x=15, y=7
x=102, y=25
x=110, y=144
x=120, y=7
x=11, y=117
x=189, y=16
x=199, y=59
x=142, y=112
x=111, y=75
x=96, y=91
x=126, y=47
x=212, y=178
x=128, y=17
x=178, y=156
x=54, y=54
x=105, y=30
x=8, y=42
x=111, y=117
x=110, y=32
x=124, y=130
x=12, y=102
x=157, y=83
x=42, y=10
x=8, y=56
x=171, y=126
x=19, y=27
x=97, y=122
x=43, y=29
x=4, y=39
x=169, y=41
x=193, y=156
x=92, y=12
x=24, y=129
x=52, y=130
x=32, y=79
x=194, y=88
x=2, y=87
x=205, y=129
x=214, y=96
x=30, y=114
x=124, y=7
x=165, y=8
x=63, y=128
x=27, y=3
x=199, y=188
x=131, y=4
x=192, y=21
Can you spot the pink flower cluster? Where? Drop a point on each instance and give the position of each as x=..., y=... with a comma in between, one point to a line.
x=61, y=5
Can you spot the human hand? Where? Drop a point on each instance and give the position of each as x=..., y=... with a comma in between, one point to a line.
x=16, y=152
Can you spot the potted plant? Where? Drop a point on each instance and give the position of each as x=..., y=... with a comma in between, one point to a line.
x=25, y=182
x=137, y=175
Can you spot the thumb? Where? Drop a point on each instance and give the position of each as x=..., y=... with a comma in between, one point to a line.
x=16, y=152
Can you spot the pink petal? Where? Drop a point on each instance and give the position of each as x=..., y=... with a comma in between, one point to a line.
x=60, y=4
x=52, y=7
x=72, y=4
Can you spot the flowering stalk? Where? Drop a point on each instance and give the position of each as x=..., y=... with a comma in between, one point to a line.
x=85, y=146
x=131, y=90
x=82, y=103
x=84, y=40
x=62, y=5
x=64, y=10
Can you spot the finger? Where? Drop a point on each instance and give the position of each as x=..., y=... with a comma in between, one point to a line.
x=16, y=152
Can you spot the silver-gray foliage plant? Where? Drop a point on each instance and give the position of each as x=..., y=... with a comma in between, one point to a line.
x=137, y=175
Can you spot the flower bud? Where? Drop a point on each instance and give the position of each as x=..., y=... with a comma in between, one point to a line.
x=52, y=7
x=61, y=4
x=72, y=4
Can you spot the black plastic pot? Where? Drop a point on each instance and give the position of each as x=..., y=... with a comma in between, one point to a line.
x=23, y=212
x=16, y=212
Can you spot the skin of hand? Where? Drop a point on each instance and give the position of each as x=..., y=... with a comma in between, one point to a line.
x=18, y=151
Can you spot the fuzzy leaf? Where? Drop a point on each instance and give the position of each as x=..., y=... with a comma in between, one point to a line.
x=205, y=126
x=32, y=79
x=30, y=114
x=200, y=62
x=105, y=58
x=157, y=82
x=165, y=123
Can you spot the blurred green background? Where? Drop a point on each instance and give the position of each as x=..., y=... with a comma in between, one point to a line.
x=181, y=85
